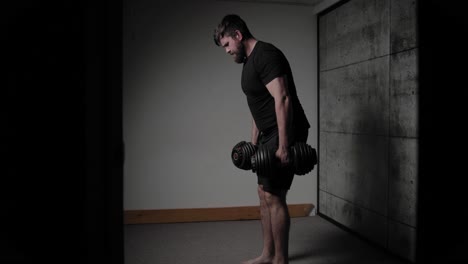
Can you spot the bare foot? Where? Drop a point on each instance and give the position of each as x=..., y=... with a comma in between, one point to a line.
x=259, y=260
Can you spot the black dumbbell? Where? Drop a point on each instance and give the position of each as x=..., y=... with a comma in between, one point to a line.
x=241, y=154
x=263, y=161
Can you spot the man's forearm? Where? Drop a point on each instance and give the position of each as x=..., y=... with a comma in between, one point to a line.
x=283, y=118
x=254, y=133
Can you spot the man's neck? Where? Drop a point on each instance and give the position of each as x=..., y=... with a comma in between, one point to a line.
x=249, y=45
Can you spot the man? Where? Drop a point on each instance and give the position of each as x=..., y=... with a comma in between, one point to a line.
x=278, y=121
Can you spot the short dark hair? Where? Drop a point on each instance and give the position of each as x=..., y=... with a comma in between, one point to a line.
x=228, y=26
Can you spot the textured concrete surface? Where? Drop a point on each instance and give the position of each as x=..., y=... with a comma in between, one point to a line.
x=403, y=180
x=356, y=98
x=357, y=31
x=403, y=25
x=402, y=240
x=368, y=108
x=368, y=223
x=404, y=94
x=354, y=168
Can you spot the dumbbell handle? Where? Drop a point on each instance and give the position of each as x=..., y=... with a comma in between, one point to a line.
x=302, y=159
x=277, y=162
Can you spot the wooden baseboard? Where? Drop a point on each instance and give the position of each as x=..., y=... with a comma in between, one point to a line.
x=206, y=214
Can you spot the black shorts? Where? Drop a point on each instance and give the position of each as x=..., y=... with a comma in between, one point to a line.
x=282, y=178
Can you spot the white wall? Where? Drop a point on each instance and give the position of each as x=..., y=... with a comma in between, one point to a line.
x=184, y=109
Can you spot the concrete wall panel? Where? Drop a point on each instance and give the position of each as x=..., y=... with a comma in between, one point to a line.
x=402, y=240
x=356, y=169
x=403, y=25
x=356, y=98
x=368, y=95
x=363, y=23
x=403, y=177
x=370, y=224
x=323, y=166
x=404, y=94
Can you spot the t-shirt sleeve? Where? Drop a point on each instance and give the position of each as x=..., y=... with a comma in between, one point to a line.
x=270, y=64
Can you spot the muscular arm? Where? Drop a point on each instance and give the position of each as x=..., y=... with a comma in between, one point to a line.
x=279, y=90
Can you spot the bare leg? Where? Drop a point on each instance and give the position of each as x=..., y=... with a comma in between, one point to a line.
x=268, y=245
x=280, y=225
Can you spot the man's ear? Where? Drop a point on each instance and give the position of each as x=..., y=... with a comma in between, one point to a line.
x=238, y=35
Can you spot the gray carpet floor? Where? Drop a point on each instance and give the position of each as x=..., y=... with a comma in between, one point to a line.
x=313, y=240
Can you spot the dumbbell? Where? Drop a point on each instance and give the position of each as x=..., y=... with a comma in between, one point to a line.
x=262, y=160
x=242, y=153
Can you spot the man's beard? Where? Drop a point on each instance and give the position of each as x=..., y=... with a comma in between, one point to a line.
x=240, y=55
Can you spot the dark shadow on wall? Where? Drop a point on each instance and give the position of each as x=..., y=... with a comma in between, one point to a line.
x=443, y=197
x=61, y=189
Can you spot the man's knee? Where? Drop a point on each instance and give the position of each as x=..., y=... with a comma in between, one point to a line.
x=261, y=192
x=271, y=198
x=276, y=198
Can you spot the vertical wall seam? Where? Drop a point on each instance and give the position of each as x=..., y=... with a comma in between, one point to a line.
x=317, y=17
x=389, y=118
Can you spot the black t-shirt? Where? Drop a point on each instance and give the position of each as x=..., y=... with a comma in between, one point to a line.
x=265, y=63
